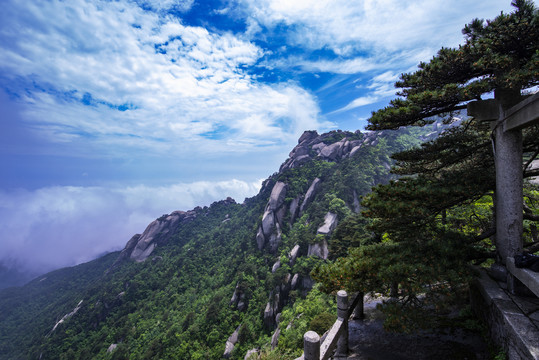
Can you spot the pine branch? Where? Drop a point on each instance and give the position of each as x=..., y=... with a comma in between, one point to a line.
x=528, y=163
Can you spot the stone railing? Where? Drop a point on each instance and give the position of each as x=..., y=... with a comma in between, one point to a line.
x=525, y=278
x=337, y=338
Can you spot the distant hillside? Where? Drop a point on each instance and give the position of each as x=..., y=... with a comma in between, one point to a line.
x=214, y=281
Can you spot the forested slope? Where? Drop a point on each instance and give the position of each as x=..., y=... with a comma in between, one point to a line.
x=213, y=281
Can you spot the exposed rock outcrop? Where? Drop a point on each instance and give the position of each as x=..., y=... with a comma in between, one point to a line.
x=320, y=248
x=294, y=207
x=293, y=254
x=311, y=145
x=157, y=229
x=294, y=282
x=276, y=266
x=126, y=252
x=67, y=316
x=275, y=338
x=231, y=342
x=269, y=231
x=309, y=196
x=330, y=222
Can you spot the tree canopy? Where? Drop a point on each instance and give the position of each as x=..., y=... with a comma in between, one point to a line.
x=437, y=217
x=497, y=54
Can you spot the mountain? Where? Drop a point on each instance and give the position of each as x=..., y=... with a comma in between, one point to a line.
x=215, y=281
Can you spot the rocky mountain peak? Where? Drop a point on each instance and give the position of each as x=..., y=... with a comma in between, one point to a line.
x=331, y=146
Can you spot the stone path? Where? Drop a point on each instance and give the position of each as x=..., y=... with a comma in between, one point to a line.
x=369, y=341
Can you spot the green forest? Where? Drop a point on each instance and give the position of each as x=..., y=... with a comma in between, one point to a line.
x=400, y=210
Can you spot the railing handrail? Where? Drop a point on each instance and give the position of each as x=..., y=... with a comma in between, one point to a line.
x=337, y=337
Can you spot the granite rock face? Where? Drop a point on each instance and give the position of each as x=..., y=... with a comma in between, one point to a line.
x=231, y=342
x=311, y=145
x=269, y=231
x=158, y=229
x=330, y=223
x=158, y=232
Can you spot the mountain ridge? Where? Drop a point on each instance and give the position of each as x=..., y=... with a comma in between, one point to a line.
x=249, y=262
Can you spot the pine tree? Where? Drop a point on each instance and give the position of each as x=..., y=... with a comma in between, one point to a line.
x=436, y=218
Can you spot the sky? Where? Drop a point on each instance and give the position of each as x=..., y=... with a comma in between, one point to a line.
x=113, y=113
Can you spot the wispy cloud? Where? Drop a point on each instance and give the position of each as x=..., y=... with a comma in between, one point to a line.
x=382, y=25
x=379, y=87
x=120, y=78
x=61, y=226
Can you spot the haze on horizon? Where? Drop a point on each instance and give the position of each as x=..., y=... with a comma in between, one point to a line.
x=116, y=112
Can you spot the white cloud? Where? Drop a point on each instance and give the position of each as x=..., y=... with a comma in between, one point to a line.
x=53, y=227
x=176, y=83
x=160, y=5
x=381, y=25
x=380, y=87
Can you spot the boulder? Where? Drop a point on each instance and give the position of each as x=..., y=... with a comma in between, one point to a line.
x=241, y=304
x=277, y=196
x=294, y=205
x=260, y=239
x=319, y=249
x=275, y=338
x=311, y=192
x=285, y=286
x=235, y=295
x=234, y=337
x=157, y=229
x=275, y=239
x=279, y=215
x=294, y=282
x=268, y=223
x=299, y=151
x=354, y=150
x=307, y=284
x=319, y=147
x=269, y=315
x=293, y=254
x=333, y=151
x=229, y=347
x=308, y=136
x=330, y=222
x=298, y=161
x=276, y=266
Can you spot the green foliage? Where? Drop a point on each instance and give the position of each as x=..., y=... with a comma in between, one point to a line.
x=322, y=322
x=497, y=54
x=176, y=304
x=350, y=233
x=437, y=217
x=298, y=319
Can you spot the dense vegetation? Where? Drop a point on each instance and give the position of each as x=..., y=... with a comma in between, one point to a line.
x=413, y=241
x=176, y=304
x=438, y=217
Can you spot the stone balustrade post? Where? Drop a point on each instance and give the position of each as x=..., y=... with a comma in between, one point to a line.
x=311, y=346
x=342, y=313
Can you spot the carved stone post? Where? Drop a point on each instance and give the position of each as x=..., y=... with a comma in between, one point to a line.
x=311, y=346
x=509, y=183
x=342, y=313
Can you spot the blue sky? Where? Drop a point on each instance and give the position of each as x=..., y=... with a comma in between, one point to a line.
x=115, y=112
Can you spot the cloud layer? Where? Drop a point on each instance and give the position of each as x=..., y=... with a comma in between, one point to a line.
x=61, y=226
x=117, y=78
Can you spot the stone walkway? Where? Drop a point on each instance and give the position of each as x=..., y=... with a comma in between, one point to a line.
x=513, y=320
x=369, y=341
